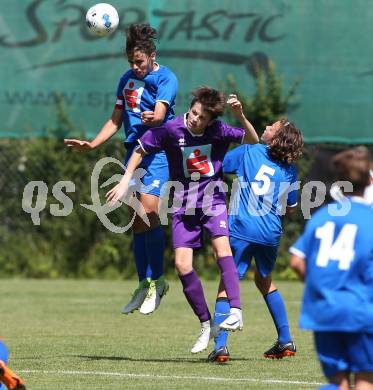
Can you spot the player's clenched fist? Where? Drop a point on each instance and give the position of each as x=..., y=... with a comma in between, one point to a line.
x=235, y=104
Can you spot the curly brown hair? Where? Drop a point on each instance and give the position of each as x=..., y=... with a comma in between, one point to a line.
x=212, y=100
x=141, y=37
x=287, y=143
x=353, y=165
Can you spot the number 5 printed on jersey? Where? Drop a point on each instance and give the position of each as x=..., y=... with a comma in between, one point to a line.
x=264, y=175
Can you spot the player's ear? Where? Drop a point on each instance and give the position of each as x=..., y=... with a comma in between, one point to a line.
x=152, y=56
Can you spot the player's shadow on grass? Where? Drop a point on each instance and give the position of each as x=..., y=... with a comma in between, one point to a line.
x=166, y=360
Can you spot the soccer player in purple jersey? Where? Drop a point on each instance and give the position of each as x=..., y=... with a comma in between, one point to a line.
x=145, y=98
x=195, y=144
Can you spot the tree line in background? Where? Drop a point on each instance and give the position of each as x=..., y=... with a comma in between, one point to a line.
x=78, y=245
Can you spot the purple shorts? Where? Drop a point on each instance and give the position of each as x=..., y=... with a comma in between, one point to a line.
x=187, y=230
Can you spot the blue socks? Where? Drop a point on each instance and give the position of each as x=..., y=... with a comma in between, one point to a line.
x=277, y=309
x=222, y=308
x=154, y=244
x=148, y=249
x=4, y=353
x=139, y=249
x=330, y=386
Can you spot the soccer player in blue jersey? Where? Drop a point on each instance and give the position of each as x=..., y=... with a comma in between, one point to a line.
x=145, y=98
x=7, y=377
x=334, y=257
x=267, y=189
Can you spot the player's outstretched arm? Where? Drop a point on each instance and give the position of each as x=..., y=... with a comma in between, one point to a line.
x=107, y=131
x=251, y=137
x=117, y=192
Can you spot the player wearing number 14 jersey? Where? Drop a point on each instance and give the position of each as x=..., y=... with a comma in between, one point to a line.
x=268, y=188
x=334, y=256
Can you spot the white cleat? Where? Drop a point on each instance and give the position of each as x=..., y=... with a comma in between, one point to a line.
x=233, y=321
x=138, y=297
x=157, y=290
x=208, y=331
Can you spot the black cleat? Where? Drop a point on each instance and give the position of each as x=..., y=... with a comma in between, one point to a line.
x=219, y=356
x=278, y=351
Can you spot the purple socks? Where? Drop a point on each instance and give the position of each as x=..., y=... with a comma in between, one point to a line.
x=193, y=290
x=230, y=280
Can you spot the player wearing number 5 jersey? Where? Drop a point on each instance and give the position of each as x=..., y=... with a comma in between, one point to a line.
x=267, y=179
x=334, y=256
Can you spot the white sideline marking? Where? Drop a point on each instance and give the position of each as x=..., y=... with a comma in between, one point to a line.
x=199, y=378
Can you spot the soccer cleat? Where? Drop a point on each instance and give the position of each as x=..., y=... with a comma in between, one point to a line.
x=138, y=297
x=220, y=356
x=208, y=331
x=10, y=379
x=278, y=351
x=233, y=321
x=157, y=290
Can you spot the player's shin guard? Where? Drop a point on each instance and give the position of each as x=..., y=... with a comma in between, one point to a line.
x=230, y=279
x=193, y=291
x=222, y=309
x=154, y=243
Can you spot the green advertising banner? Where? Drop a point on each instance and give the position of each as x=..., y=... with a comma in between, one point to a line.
x=47, y=52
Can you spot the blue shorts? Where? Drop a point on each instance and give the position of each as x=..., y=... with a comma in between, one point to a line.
x=343, y=351
x=156, y=167
x=243, y=252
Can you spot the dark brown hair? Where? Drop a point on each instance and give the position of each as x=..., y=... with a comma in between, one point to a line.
x=141, y=37
x=287, y=143
x=353, y=165
x=212, y=100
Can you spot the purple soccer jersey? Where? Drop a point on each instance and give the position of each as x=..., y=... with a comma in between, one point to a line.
x=195, y=161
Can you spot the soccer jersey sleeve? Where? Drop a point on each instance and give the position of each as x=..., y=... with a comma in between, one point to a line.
x=167, y=88
x=153, y=140
x=293, y=191
x=120, y=98
x=233, y=159
x=303, y=245
x=231, y=134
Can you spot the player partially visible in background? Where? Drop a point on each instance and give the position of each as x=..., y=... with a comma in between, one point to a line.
x=265, y=172
x=334, y=257
x=195, y=145
x=145, y=98
x=7, y=377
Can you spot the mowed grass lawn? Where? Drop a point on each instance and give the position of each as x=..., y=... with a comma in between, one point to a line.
x=70, y=334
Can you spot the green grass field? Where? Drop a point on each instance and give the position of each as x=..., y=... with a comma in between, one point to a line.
x=69, y=334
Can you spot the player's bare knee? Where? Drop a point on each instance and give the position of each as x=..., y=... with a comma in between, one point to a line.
x=182, y=267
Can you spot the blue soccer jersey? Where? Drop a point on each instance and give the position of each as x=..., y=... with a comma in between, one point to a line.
x=266, y=188
x=338, y=250
x=136, y=95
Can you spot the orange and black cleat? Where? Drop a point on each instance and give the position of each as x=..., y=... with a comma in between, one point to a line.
x=10, y=379
x=221, y=355
x=279, y=351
